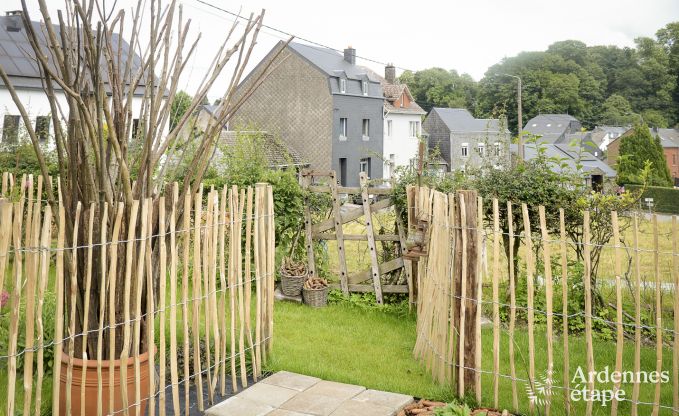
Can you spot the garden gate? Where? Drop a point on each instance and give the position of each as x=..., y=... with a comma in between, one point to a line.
x=331, y=229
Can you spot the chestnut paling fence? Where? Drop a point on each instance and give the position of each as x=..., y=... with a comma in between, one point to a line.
x=526, y=357
x=210, y=315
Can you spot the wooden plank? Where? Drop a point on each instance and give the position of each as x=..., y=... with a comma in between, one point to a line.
x=463, y=298
x=32, y=272
x=375, y=267
x=239, y=276
x=311, y=172
x=549, y=299
x=45, y=240
x=339, y=235
x=205, y=299
x=270, y=264
x=350, y=190
x=386, y=267
x=355, y=237
x=620, y=335
x=186, y=318
x=223, y=218
x=197, y=295
x=351, y=215
x=112, y=278
x=59, y=314
x=478, y=298
x=73, y=289
x=162, y=362
x=309, y=228
x=588, y=308
x=407, y=264
x=259, y=251
x=563, y=243
x=496, y=302
x=103, y=287
x=248, y=278
x=530, y=276
x=675, y=351
x=86, y=313
x=512, y=307
x=138, y=291
x=658, y=316
x=637, y=313
x=369, y=288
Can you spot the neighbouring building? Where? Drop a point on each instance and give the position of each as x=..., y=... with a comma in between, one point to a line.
x=402, y=123
x=320, y=102
x=564, y=157
x=19, y=62
x=464, y=141
x=603, y=135
x=669, y=140
x=279, y=155
x=552, y=128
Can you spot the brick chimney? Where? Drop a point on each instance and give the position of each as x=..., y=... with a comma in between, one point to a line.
x=350, y=55
x=13, y=20
x=390, y=73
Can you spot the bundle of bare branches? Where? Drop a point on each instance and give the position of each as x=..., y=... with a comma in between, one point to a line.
x=91, y=78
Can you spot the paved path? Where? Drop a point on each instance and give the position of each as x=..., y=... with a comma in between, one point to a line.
x=290, y=394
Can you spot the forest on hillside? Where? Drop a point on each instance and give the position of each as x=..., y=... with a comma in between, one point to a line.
x=599, y=85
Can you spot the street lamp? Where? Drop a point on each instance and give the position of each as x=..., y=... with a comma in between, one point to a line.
x=519, y=115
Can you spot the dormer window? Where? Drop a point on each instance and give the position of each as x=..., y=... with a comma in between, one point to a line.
x=343, y=85
x=364, y=87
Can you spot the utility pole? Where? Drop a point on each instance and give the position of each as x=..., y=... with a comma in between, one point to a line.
x=519, y=118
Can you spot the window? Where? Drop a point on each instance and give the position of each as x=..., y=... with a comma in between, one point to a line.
x=596, y=153
x=465, y=149
x=389, y=128
x=414, y=128
x=343, y=85
x=364, y=165
x=343, y=129
x=343, y=171
x=391, y=165
x=481, y=149
x=10, y=129
x=364, y=87
x=497, y=148
x=135, y=129
x=42, y=127
x=366, y=129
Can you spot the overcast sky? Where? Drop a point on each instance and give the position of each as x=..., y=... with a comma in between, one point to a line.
x=466, y=35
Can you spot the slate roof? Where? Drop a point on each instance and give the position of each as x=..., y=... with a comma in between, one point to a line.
x=18, y=60
x=460, y=120
x=549, y=125
x=569, y=157
x=330, y=61
x=669, y=138
x=393, y=92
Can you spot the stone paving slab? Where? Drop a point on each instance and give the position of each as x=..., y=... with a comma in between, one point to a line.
x=292, y=381
x=239, y=406
x=290, y=394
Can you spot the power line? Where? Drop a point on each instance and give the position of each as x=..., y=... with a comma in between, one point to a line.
x=288, y=34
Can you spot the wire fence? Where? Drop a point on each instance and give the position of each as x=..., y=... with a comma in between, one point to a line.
x=133, y=309
x=555, y=341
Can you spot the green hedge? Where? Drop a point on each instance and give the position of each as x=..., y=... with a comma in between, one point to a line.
x=666, y=200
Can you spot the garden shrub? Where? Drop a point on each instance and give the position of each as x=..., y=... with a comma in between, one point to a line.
x=665, y=200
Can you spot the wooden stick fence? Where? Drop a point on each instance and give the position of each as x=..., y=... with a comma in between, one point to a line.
x=538, y=373
x=203, y=288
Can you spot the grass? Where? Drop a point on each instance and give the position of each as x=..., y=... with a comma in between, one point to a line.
x=373, y=348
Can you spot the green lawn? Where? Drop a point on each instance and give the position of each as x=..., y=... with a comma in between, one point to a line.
x=374, y=349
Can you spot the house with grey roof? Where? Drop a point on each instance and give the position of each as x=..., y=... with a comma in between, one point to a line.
x=19, y=62
x=464, y=141
x=603, y=135
x=320, y=102
x=552, y=128
x=564, y=158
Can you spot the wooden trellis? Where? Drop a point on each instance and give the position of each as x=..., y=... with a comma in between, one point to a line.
x=331, y=229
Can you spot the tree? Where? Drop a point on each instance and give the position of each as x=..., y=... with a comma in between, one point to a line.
x=180, y=103
x=93, y=124
x=668, y=37
x=641, y=159
x=436, y=87
x=617, y=111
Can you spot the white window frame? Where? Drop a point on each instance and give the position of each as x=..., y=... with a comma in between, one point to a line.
x=364, y=123
x=464, y=150
x=390, y=128
x=364, y=162
x=364, y=87
x=414, y=129
x=481, y=149
x=343, y=128
x=497, y=149
x=343, y=85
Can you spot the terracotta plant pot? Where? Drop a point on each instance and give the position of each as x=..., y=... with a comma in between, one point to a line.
x=91, y=385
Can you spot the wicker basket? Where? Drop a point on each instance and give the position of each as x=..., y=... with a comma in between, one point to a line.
x=316, y=298
x=292, y=285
